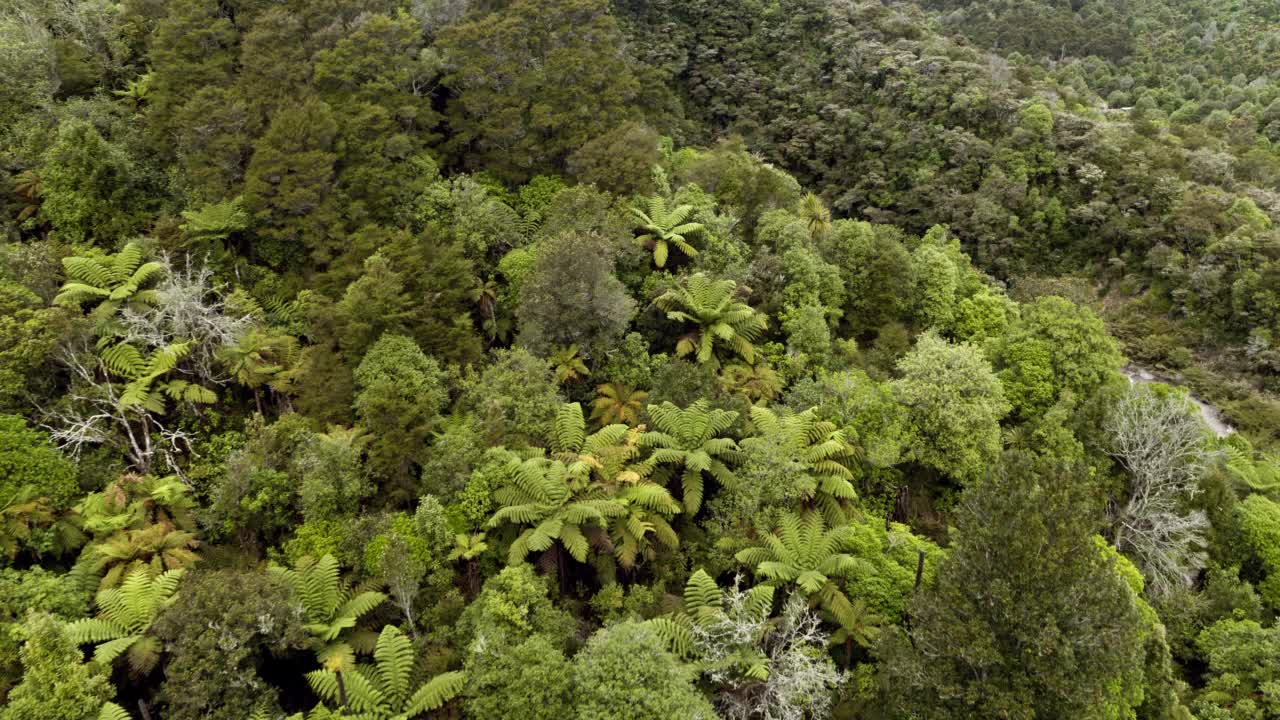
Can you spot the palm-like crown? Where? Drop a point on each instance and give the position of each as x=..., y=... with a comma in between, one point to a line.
x=382, y=690
x=125, y=615
x=717, y=319
x=330, y=608
x=662, y=228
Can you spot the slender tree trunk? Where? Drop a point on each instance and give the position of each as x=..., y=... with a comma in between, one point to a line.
x=473, y=580
x=562, y=569
x=342, y=694
x=257, y=399
x=848, y=651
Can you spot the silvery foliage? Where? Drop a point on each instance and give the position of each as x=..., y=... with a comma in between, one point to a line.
x=1162, y=442
x=791, y=647
x=188, y=307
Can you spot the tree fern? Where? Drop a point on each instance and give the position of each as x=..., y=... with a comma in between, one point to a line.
x=567, y=364
x=147, y=386
x=137, y=521
x=715, y=320
x=759, y=383
x=330, y=608
x=603, y=464
x=125, y=614
x=686, y=442
x=803, y=552
x=28, y=186
x=25, y=512
x=261, y=357
x=382, y=690
x=109, y=282
x=618, y=403
x=569, y=431
x=819, y=448
x=555, y=504
x=216, y=221
x=663, y=228
x=1256, y=472
x=704, y=609
x=816, y=216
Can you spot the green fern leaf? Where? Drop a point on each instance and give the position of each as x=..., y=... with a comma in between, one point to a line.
x=436, y=692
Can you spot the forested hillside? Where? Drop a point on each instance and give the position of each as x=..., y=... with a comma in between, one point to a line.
x=575, y=359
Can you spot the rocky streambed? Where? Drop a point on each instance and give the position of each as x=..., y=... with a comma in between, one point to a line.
x=1212, y=417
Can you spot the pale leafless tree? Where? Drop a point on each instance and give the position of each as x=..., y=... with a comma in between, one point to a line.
x=403, y=574
x=188, y=307
x=1160, y=439
x=793, y=647
x=91, y=414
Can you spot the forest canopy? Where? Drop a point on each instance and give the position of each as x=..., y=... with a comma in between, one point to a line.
x=595, y=359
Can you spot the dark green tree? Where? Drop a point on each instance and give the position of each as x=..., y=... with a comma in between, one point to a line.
x=571, y=297
x=288, y=184
x=29, y=334
x=533, y=82
x=1026, y=618
x=225, y=624
x=191, y=48
x=400, y=394
x=619, y=161
x=514, y=399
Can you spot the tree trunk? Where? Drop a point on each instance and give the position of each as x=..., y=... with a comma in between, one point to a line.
x=472, y=580
x=562, y=569
x=342, y=694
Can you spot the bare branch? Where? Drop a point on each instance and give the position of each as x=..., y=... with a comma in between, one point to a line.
x=188, y=307
x=793, y=647
x=1162, y=441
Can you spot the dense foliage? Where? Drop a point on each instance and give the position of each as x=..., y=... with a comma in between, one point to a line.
x=523, y=359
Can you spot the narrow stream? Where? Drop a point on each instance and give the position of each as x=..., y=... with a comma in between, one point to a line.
x=1211, y=416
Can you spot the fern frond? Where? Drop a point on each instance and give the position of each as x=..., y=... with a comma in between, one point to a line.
x=570, y=428
x=125, y=262
x=124, y=360
x=107, y=652
x=361, y=604
x=89, y=271
x=92, y=630
x=436, y=692
x=394, y=663
x=112, y=711
x=575, y=542
x=676, y=634
x=701, y=591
